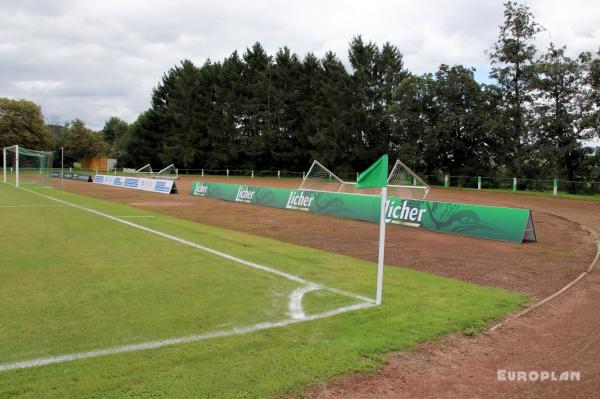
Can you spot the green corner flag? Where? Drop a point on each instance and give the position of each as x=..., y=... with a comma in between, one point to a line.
x=376, y=175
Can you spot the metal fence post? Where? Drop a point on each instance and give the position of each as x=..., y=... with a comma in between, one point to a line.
x=227, y=172
x=514, y=189
x=278, y=174
x=253, y=173
x=555, y=188
x=202, y=172
x=478, y=182
x=446, y=181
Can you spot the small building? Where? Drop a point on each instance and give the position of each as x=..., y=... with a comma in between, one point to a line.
x=100, y=163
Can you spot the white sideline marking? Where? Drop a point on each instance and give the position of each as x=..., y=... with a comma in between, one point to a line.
x=210, y=250
x=175, y=341
x=295, y=305
x=41, y=188
x=30, y=206
x=134, y=216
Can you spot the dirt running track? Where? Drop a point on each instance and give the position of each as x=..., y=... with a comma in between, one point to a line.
x=563, y=335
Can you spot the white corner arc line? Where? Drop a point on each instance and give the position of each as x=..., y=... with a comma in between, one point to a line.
x=295, y=304
x=175, y=341
x=209, y=250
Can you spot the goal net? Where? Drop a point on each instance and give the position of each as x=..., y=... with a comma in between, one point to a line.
x=402, y=182
x=24, y=167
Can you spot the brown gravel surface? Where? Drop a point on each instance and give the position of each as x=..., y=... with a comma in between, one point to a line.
x=562, y=335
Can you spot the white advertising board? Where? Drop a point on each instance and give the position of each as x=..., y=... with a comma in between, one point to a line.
x=138, y=183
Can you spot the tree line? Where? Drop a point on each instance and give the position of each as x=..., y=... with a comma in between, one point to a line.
x=257, y=111
x=265, y=112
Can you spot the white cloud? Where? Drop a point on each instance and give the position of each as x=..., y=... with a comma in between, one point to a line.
x=33, y=86
x=95, y=59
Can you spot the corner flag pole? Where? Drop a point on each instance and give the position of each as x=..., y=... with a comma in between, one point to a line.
x=376, y=175
x=381, y=246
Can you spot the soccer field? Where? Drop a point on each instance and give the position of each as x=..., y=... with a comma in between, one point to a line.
x=105, y=300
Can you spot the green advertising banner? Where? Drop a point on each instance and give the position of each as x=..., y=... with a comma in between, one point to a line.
x=496, y=223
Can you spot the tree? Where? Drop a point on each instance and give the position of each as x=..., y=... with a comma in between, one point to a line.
x=589, y=96
x=414, y=115
x=366, y=109
x=564, y=110
x=327, y=122
x=225, y=123
x=80, y=142
x=21, y=122
x=114, y=129
x=459, y=131
x=182, y=107
x=142, y=141
x=256, y=120
x=288, y=138
x=512, y=59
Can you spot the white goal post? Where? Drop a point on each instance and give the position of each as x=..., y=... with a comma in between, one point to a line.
x=24, y=166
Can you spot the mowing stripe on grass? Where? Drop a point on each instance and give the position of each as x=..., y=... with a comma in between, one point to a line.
x=209, y=250
x=254, y=265
x=26, y=364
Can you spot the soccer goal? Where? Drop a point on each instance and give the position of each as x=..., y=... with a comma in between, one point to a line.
x=145, y=170
x=24, y=167
x=402, y=182
x=319, y=178
x=168, y=173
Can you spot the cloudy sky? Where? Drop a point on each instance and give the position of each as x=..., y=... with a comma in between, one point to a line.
x=95, y=59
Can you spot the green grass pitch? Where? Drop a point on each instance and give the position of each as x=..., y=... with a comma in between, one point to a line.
x=72, y=281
